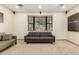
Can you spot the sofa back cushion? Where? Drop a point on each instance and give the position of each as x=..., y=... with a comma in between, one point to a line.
x=45, y=34
x=7, y=37
x=38, y=34
x=34, y=34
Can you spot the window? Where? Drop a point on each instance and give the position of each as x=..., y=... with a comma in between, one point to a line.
x=40, y=23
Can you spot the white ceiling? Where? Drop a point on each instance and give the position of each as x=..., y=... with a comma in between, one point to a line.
x=33, y=8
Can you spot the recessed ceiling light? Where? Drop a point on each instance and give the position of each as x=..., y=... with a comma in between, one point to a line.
x=20, y=5
x=62, y=5
x=17, y=6
x=40, y=7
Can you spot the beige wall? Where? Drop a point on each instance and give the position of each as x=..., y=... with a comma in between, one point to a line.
x=20, y=25
x=73, y=36
x=7, y=26
x=59, y=24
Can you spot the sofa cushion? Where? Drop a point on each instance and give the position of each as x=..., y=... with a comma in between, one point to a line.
x=46, y=38
x=32, y=38
x=7, y=37
x=39, y=38
x=5, y=44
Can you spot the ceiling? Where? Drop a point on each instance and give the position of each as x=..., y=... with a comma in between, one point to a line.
x=33, y=8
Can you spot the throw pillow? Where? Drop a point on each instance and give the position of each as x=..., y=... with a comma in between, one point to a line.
x=7, y=37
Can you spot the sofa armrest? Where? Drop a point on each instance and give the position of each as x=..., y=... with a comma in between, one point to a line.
x=53, y=37
x=14, y=37
x=25, y=38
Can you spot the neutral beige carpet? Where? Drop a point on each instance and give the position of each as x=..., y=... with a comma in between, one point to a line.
x=58, y=48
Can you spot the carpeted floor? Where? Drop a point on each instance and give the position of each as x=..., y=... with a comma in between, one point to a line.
x=58, y=48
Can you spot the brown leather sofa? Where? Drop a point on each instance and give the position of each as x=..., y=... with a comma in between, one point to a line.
x=39, y=37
